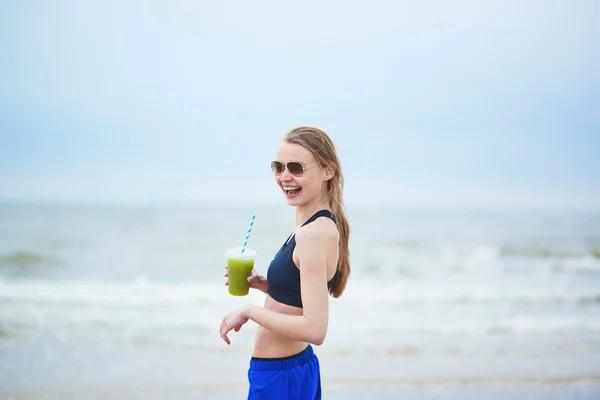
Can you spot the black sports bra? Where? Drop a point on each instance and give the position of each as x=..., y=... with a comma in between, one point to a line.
x=283, y=276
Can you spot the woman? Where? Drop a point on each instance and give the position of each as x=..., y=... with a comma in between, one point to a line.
x=311, y=264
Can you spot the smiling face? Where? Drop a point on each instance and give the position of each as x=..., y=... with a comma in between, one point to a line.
x=311, y=185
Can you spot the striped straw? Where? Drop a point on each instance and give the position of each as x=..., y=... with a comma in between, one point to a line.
x=248, y=233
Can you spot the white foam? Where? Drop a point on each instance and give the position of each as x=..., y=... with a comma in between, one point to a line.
x=140, y=292
x=183, y=312
x=111, y=312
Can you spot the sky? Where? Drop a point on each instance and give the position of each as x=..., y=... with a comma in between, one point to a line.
x=429, y=102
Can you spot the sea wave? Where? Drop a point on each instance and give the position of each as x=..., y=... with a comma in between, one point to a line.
x=134, y=312
x=468, y=290
x=536, y=251
x=26, y=259
x=391, y=261
x=364, y=289
x=139, y=292
x=142, y=312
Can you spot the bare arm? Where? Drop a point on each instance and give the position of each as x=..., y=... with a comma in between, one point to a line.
x=312, y=246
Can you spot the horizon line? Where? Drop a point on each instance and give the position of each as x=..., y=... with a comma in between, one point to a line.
x=261, y=204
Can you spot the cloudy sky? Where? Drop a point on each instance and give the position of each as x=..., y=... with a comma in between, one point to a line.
x=429, y=102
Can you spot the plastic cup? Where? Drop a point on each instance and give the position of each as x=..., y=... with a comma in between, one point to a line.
x=239, y=267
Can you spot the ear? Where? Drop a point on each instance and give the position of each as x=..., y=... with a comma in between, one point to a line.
x=329, y=172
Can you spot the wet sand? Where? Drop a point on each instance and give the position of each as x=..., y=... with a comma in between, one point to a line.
x=183, y=375
x=574, y=389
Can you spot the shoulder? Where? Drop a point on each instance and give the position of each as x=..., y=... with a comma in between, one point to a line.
x=322, y=231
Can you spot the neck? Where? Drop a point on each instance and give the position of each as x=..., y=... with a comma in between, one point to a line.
x=303, y=213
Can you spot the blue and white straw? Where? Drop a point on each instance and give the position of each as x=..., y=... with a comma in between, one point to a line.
x=248, y=233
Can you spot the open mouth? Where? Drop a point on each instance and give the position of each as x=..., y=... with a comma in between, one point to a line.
x=292, y=191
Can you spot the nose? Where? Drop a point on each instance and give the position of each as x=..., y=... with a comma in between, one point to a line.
x=286, y=176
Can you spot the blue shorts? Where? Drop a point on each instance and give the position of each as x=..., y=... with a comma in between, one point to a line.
x=296, y=377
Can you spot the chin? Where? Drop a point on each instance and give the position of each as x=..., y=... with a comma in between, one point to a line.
x=294, y=202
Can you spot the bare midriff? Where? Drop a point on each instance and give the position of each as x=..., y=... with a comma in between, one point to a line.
x=269, y=344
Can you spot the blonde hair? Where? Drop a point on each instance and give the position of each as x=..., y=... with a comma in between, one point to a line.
x=323, y=149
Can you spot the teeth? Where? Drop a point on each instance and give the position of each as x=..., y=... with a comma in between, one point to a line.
x=291, y=187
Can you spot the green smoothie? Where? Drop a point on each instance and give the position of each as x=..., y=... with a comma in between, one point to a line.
x=239, y=267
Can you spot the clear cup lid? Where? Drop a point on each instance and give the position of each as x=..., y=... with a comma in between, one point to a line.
x=236, y=252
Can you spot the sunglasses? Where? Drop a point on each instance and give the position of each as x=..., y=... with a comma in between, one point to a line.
x=295, y=168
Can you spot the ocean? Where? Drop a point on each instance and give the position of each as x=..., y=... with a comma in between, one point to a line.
x=124, y=301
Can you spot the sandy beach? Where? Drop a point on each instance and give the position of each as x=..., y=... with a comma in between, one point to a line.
x=196, y=374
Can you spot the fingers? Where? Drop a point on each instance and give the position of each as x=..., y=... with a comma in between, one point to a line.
x=223, y=333
x=254, y=277
x=224, y=330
